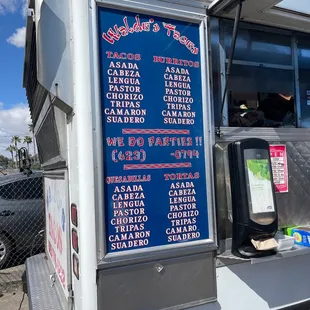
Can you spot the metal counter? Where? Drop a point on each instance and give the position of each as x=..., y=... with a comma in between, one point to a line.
x=293, y=207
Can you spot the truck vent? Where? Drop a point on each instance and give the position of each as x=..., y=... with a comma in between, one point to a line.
x=47, y=139
x=35, y=92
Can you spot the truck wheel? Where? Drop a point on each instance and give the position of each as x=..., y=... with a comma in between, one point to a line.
x=5, y=250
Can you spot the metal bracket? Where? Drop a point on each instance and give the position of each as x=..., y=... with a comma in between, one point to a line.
x=159, y=268
x=55, y=101
x=24, y=161
x=53, y=279
x=31, y=14
x=71, y=292
x=230, y=61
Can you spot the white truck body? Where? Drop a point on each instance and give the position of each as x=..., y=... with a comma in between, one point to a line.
x=63, y=83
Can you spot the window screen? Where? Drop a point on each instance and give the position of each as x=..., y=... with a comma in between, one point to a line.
x=261, y=85
x=259, y=46
x=261, y=97
x=47, y=139
x=261, y=80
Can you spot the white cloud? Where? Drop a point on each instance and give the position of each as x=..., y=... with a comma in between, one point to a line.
x=18, y=37
x=24, y=10
x=13, y=121
x=11, y=6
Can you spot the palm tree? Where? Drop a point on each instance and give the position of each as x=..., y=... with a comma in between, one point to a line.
x=11, y=149
x=16, y=140
x=27, y=140
x=31, y=129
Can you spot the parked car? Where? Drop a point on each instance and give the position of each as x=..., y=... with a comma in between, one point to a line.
x=21, y=217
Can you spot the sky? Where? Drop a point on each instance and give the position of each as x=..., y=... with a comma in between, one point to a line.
x=14, y=111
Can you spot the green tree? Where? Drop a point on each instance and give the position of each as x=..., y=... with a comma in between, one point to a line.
x=4, y=161
x=15, y=140
x=27, y=140
x=11, y=149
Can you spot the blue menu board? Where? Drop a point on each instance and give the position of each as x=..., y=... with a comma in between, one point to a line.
x=154, y=161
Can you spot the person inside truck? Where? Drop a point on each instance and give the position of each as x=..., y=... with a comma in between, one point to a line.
x=243, y=116
x=279, y=110
x=269, y=110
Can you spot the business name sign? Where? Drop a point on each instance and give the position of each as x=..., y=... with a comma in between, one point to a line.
x=151, y=96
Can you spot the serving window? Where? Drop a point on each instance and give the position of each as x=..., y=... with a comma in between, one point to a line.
x=268, y=97
x=269, y=82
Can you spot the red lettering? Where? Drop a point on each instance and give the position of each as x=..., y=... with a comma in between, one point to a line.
x=61, y=273
x=109, y=54
x=169, y=27
x=132, y=141
x=156, y=28
x=146, y=26
x=111, y=141
x=181, y=176
x=176, y=35
x=117, y=141
x=137, y=26
x=113, y=35
x=176, y=61
x=182, y=39
x=58, y=268
x=129, y=30
x=55, y=233
x=158, y=142
x=159, y=59
x=122, y=55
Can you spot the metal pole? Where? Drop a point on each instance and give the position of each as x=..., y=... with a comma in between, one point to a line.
x=230, y=60
x=82, y=123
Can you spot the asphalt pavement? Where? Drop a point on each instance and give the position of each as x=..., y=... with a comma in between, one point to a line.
x=12, y=301
x=11, y=293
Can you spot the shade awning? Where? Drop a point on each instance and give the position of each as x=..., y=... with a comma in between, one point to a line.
x=287, y=14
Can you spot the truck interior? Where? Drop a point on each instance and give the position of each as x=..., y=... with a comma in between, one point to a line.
x=261, y=110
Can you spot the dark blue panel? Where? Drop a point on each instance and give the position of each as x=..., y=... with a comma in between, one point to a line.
x=155, y=185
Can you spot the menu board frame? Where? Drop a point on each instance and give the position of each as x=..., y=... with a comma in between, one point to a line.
x=208, y=244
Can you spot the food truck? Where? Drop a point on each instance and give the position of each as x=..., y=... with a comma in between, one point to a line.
x=175, y=142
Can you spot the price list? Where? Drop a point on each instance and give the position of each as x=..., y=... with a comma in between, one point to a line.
x=154, y=158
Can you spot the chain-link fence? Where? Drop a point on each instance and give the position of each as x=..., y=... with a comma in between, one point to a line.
x=22, y=224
